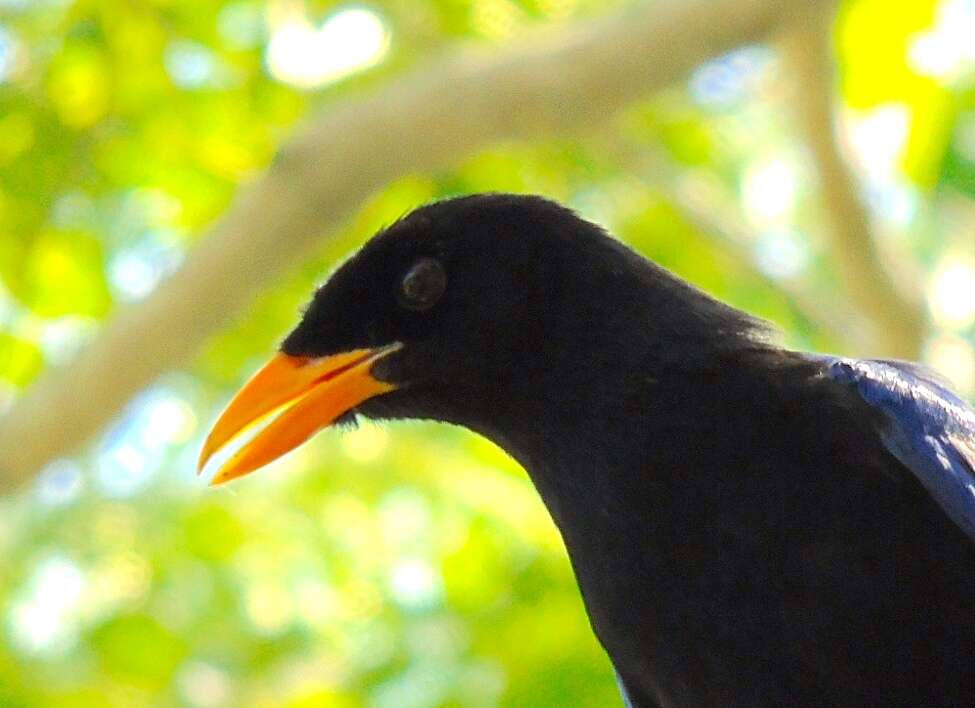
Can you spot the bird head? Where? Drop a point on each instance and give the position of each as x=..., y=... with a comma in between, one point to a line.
x=472, y=311
x=442, y=307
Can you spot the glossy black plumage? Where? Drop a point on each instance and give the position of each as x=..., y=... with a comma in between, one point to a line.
x=748, y=525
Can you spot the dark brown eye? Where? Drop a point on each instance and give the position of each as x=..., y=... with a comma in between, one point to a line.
x=422, y=285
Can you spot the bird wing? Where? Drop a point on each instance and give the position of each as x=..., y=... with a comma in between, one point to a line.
x=929, y=429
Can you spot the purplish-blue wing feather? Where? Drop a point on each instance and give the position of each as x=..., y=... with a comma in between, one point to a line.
x=930, y=429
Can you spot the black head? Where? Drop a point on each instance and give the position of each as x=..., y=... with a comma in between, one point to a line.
x=499, y=300
x=491, y=311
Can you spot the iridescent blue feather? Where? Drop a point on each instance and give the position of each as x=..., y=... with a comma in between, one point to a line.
x=930, y=429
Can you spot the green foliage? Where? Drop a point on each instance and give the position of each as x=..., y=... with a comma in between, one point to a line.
x=411, y=565
x=20, y=360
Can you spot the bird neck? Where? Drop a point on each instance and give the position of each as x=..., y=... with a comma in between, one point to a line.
x=598, y=444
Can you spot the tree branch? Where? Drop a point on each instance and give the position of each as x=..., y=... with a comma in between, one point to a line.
x=710, y=209
x=426, y=120
x=900, y=321
x=708, y=205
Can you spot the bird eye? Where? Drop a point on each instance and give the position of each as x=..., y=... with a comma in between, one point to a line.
x=422, y=285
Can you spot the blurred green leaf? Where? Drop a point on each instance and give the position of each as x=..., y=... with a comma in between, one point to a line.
x=64, y=275
x=137, y=649
x=20, y=360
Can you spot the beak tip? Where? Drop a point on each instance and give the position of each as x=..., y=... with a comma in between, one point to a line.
x=226, y=475
x=202, y=461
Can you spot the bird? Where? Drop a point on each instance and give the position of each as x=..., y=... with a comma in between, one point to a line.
x=748, y=525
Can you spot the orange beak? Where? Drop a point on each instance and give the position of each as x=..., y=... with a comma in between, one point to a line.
x=308, y=394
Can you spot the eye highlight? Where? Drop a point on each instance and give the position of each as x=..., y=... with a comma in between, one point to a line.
x=422, y=285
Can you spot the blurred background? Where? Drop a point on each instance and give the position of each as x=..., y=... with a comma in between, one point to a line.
x=811, y=163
